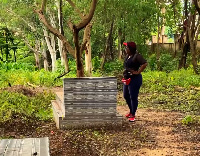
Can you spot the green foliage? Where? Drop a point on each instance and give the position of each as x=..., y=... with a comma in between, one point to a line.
x=165, y=63
x=113, y=67
x=96, y=63
x=152, y=62
x=7, y=66
x=187, y=120
x=22, y=77
x=28, y=60
x=12, y=103
x=157, y=81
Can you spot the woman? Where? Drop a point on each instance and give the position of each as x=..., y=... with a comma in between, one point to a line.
x=134, y=64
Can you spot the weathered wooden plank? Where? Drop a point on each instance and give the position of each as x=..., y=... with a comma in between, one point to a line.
x=24, y=147
x=3, y=146
x=77, y=122
x=44, y=144
x=89, y=83
x=27, y=145
x=60, y=100
x=10, y=148
x=36, y=147
x=58, y=114
x=13, y=147
x=94, y=112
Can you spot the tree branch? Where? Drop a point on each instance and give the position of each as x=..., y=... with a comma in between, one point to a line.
x=197, y=6
x=88, y=18
x=43, y=7
x=76, y=9
x=86, y=37
x=55, y=31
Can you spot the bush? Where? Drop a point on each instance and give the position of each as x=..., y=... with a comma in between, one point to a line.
x=12, y=103
x=165, y=63
x=113, y=67
x=29, y=60
x=16, y=66
x=152, y=62
x=96, y=63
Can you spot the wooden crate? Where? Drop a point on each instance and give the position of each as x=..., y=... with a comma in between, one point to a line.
x=87, y=101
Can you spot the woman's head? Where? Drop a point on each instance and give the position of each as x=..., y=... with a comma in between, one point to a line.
x=130, y=47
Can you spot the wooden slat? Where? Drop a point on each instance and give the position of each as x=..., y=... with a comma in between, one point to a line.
x=57, y=112
x=44, y=144
x=3, y=146
x=36, y=146
x=24, y=147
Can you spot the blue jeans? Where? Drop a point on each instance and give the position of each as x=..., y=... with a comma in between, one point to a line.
x=131, y=92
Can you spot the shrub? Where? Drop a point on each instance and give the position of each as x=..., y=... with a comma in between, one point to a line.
x=167, y=63
x=12, y=103
x=16, y=66
x=114, y=66
x=152, y=62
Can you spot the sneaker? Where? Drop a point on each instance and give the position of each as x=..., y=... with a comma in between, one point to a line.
x=128, y=115
x=131, y=119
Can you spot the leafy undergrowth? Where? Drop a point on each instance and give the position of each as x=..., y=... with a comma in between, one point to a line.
x=25, y=102
x=187, y=101
x=182, y=99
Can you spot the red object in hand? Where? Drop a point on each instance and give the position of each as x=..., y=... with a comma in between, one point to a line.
x=126, y=81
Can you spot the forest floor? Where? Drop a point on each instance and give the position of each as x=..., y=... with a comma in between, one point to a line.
x=154, y=133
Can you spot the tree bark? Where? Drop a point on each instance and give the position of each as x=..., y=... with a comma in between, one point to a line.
x=36, y=54
x=119, y=44
x=44, y=54
x=193, y=31
x=35, y=51
x=184, y=45
x=88, y=52
x=107, y=45
x=50, y=45
x=79, y=64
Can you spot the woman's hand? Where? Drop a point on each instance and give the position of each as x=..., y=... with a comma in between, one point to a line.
x=140, y=70
x=135, y=72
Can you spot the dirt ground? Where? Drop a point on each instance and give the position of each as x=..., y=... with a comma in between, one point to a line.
x=154, y=133
x=170, y=138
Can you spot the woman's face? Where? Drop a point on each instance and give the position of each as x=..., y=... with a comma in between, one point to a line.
x=128, y=50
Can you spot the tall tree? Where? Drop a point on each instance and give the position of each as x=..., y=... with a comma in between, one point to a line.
x=76, y=28
x=193, y=30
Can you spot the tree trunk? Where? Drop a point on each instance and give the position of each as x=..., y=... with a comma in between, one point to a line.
x=36, y=54
x=51, y=49
x=182, y=62
x=107, y=45
x=79, y=64
x=15, y=59
x=193, y=32
x=88, y=59
x=88, y=52
x=44, y=54
x=59, y=7
x=119, y=44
